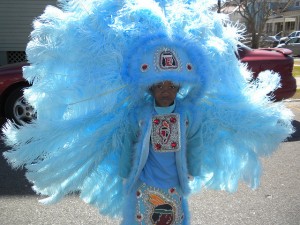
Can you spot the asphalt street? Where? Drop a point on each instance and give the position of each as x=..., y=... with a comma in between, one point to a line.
x=275, y=202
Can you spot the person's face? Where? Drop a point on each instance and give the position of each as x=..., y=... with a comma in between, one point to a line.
x=165, y=219
x=164, y=93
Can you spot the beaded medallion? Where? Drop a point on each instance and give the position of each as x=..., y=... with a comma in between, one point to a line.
x=167, y=59
x=158, y=206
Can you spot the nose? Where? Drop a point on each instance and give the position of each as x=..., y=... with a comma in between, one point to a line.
x=166, y=91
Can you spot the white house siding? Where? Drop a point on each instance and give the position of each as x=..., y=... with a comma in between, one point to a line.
x=16, y=18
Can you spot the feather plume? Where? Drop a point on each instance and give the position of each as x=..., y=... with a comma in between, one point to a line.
x=87, y=80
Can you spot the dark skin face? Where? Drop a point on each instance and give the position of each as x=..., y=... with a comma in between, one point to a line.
x=164, y=93
x=165, y=219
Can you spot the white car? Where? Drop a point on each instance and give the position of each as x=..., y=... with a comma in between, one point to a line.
x=292, y=44
x=291, y=35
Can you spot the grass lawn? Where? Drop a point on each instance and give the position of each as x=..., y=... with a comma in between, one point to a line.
x=296, y=71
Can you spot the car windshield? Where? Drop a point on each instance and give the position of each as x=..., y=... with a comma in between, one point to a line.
x=292, y=34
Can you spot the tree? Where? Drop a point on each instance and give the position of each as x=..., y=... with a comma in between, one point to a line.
x=256, y=13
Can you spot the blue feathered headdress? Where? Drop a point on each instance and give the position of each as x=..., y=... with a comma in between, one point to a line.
x=91, y=64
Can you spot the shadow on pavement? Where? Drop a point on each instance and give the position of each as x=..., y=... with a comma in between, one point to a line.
x=296, y=135
x=12, y=182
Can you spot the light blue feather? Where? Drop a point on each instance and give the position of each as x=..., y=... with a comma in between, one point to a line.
x=87, y=83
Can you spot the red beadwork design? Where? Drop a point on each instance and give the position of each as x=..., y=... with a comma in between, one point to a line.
x=144, y=67
x=172, y=119
x=189, y=66
x=174, y=144
x=165, y=131
x=138, y=193
x=158, y=146
x=156, y=121
x=172, y=190
x=139, y=217
x=165, y=124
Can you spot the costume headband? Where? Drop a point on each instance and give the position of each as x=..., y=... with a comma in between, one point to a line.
x=163, y=58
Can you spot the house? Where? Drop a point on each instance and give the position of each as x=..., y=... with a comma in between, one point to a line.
x=16, y=17
x=286, y=20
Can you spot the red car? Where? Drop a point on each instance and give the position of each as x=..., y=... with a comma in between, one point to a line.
x=12, y=104
x=276, y=59
x=14, y=107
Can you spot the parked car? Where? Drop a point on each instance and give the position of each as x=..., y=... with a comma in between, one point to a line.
x=291, y=35
x=277, y=59
x=13, y=105
x=270, y=41
x=292, y=44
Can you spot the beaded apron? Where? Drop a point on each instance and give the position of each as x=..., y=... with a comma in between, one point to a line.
x=158, y=206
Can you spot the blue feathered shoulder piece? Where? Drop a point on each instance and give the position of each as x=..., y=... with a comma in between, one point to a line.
x=91, y=65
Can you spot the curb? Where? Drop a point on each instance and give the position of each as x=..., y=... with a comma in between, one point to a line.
x=292, y=100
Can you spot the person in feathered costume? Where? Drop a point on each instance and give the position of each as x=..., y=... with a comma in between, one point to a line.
x=94, y=65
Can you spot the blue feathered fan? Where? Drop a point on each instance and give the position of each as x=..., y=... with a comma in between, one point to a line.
x=87, y=74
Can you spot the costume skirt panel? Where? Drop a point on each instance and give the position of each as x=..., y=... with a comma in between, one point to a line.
x=148, y=205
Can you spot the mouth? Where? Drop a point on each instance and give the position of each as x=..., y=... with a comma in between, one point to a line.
x=166, y=99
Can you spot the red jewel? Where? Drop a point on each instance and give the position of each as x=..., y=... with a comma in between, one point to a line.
x=156, y=121
x=173, y=119
x=138, y=193
x=158, y=146
x=139, y=216
x=144, y=67
x=189, y=66
x=174, y=144
x=172, y=190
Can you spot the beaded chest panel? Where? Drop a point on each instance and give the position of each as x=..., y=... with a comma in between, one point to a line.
x=165, y=134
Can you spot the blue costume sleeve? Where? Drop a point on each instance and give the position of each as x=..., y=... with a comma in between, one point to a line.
x=193, y=148
x=128, y=148
x=229, y=145
x=126, y=161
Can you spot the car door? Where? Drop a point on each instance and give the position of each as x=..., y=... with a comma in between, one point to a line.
x=296, y=46
x=293, y=44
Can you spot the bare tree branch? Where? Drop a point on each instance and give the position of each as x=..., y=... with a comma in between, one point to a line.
x=256, y=13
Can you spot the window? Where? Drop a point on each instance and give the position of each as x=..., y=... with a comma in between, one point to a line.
x=297, y=3
x=16, y=56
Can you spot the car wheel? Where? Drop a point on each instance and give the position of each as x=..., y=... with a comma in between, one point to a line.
x=17, y=109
